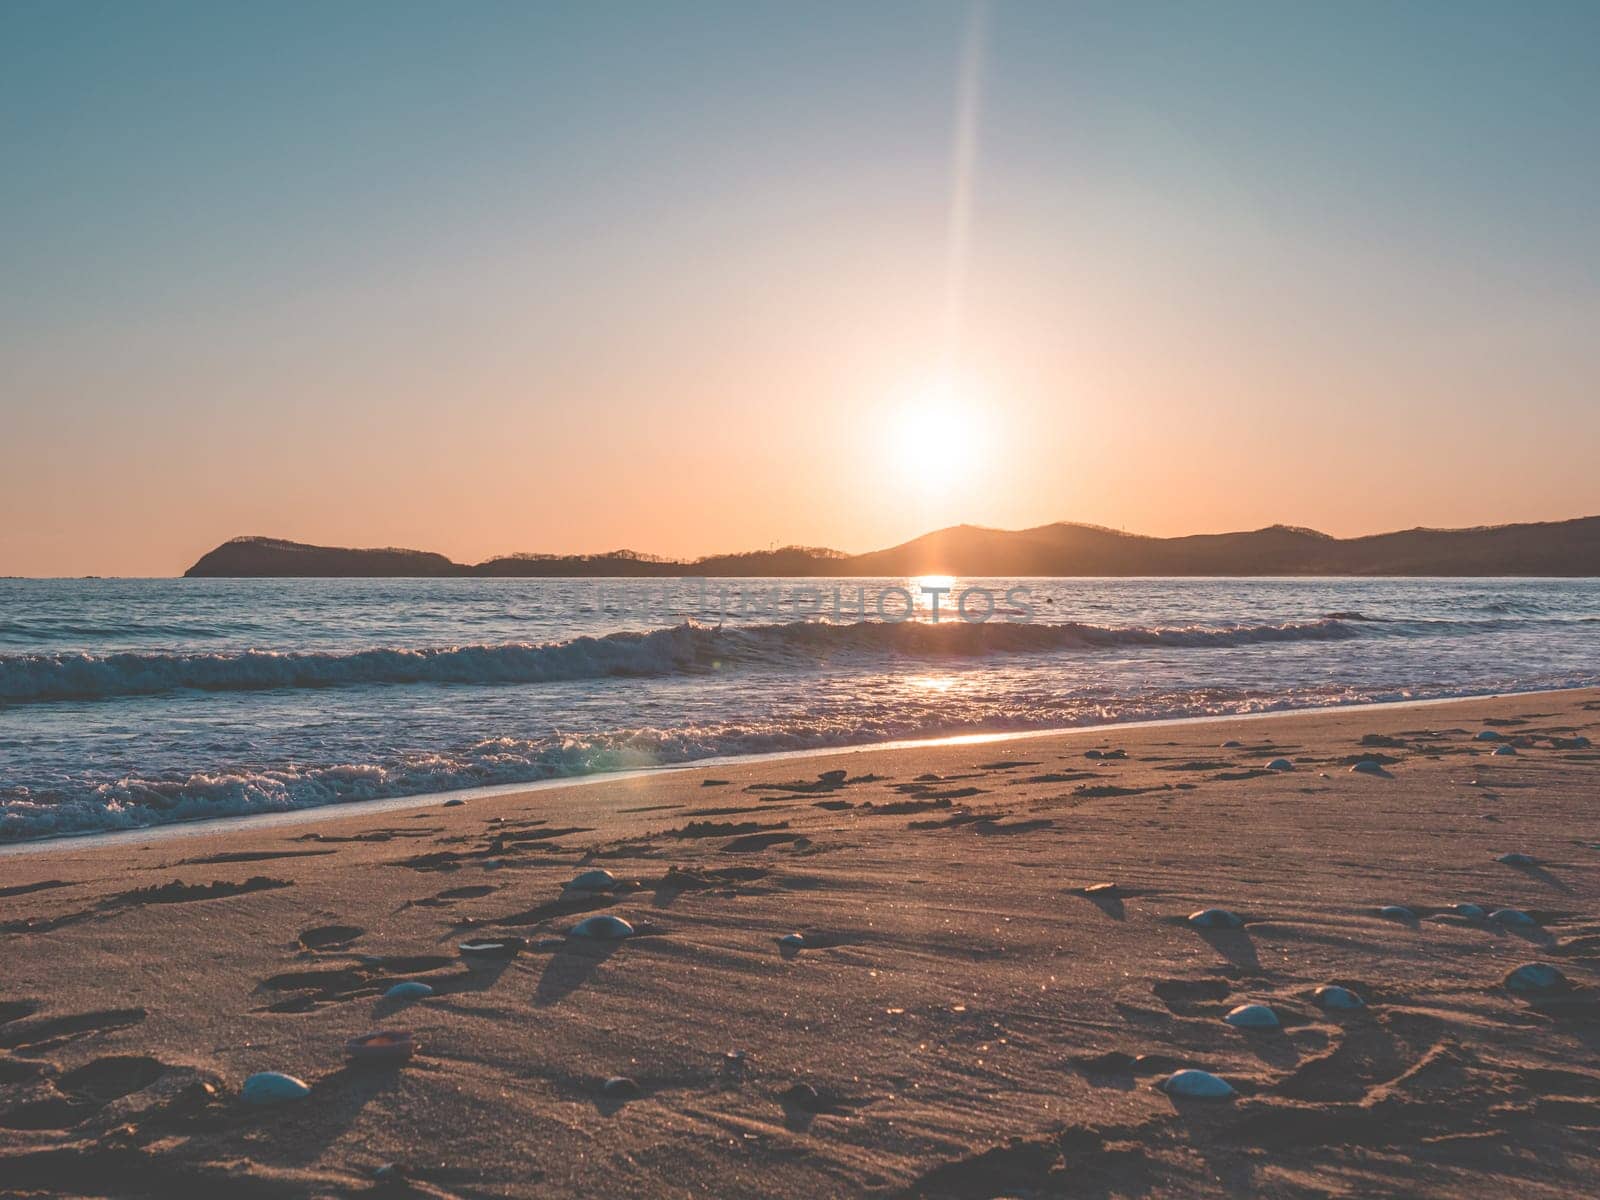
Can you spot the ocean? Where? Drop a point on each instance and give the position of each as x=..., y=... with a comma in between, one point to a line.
x=130, y=703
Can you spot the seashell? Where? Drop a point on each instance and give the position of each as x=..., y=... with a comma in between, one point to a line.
x=1488, y=735
x=1534, y=978
x=1215, y=918
x=1196, y=1085
x=1518, y=860
x=602, y=928
x=1397, y=912
x=1512, y=916
x=384, y=1046
x=1232, y=744
x=272, y=1087
x=596, y=880
x=1253, y=1016
x=803, y=1096
x=620, y=1087
x=791, y=943
x=1331, y=995
x=1100, y=889
x=1502, y=751
x=1472, y=912
x=411, y=989
x=1367, y=767
x=456, y=802
x=1280, y=764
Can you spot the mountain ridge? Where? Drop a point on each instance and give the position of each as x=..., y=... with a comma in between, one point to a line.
x=1061, y=549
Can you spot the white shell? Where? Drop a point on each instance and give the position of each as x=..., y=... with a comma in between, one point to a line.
x=1253, y=1016
x=597, y=880
x=272, y=1087
x=604, y=927
x=1331, y=995
x=1215, y=918
x=1511, y=916
x=411, y=989
x=1535, y=977
x=1280, y=764
x=1197, y=1085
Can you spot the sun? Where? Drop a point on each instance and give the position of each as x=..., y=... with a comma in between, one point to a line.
x=938, y=435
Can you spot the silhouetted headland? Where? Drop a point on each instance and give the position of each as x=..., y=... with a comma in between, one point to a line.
x=1557, y=548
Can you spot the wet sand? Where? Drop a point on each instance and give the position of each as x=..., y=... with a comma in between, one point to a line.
x=965, y=1018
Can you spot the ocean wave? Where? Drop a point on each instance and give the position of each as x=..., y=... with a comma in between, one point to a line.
x=85, y=804
x=681, y=649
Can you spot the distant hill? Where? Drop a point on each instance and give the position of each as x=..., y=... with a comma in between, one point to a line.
x=1564, y=548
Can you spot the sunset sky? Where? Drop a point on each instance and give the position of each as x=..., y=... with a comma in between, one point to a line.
x=695, y=277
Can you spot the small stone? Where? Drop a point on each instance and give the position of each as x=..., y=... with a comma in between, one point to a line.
x=456, y=802
x=1333, y=996
x=1535, y=978
x=1488, y=735
x=1472, y=912
x=411, y=989
x=1232, y=744
x=603, y=928
x=1280, y=764
x=1518, y=860
x=619, y=1087
x=1253, y=1016
x=792, y=943
x=597, y=880
x=1512, y=916
x=273, y=1087
x=1196, y=1085
x=1215, y=918
x=1367, y=767
x=1397, y=912
x=1502, y=751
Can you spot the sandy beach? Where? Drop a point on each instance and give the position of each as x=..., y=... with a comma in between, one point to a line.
x=964, y=1017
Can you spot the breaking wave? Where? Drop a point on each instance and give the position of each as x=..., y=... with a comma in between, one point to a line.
x=682, y=649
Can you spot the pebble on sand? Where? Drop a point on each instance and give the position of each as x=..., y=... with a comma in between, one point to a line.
x=1488, y=735
x=1196, y=1085
x=383, y=1046
x=1331, y=995
x=1368, y=766
x=1472, y=912
x=486, y=953
x=1518, y=860
x=792, y=943
x=1253, y=1016
x=1501, y=751
x=1511, y=916
x=620, y=1087
x=411, y=989
x=1397, y=912
x=1535, y=978
x=1215, y=918
x=1280, y=764
x=602, y=928
x=455, y=802
x=596, y=880
x=1232, y=744
x=273, y=1087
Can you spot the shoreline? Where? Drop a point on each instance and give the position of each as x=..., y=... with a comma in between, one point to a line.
x=995, y=972
x=213, y=826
